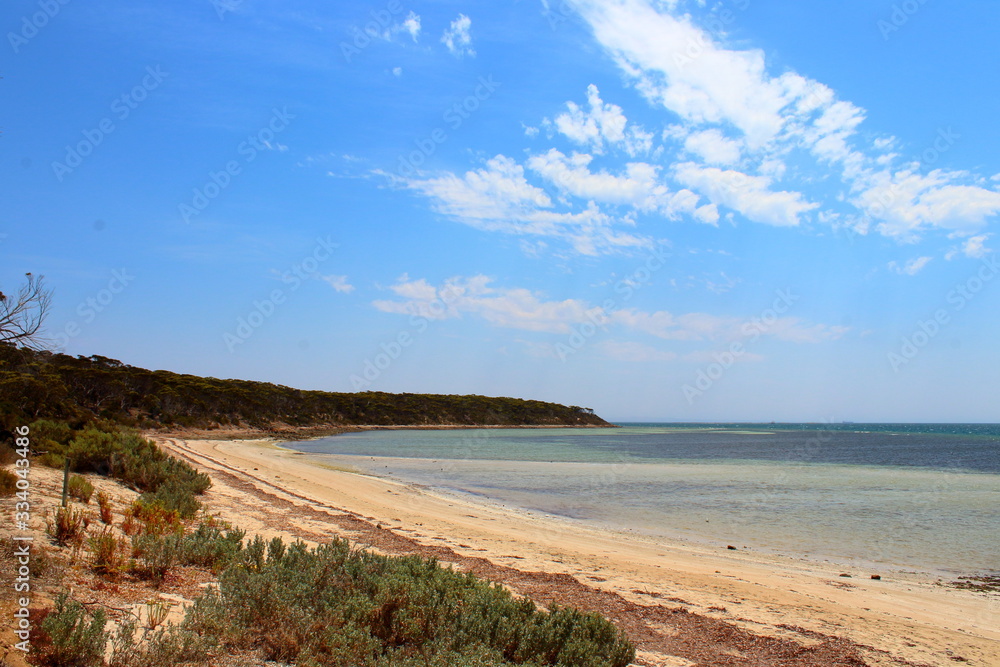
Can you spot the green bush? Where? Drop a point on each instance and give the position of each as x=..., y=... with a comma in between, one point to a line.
x=125, y=455
x=72, y=636
x=155, y=555
x=80, y=488
x=45, y=430
x=132, y=646
x=91, y=450
x=207, y=546
x=330, y=605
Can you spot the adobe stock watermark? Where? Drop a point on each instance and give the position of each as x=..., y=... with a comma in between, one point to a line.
x=957, y=299
x=88, y=309
x=901, y=14
x=751, y=332
x=454, y=117
x=713, y=29
x=264, y=309
x=599, y=317
x=248, y=150
x=391, y=350
x=33, y=24
x=121, y=108
x=381, y=21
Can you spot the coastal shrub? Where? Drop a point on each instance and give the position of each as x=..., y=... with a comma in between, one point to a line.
x=132, y=646
x=175, y=496
x=155, y=519
x=8, y=483
x=104, y=503
x=107, y=552
x=79, y=488
x=126, y=455
x=332, y=605
x=91, y=451
x=211, y=546
x=49, y=441
x=130, y=525
x=71, y=636
x=155, y=555
x=68, y=526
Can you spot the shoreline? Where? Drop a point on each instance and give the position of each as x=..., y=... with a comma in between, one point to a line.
x=689, y=540
x=902, y=616
x=290, y=433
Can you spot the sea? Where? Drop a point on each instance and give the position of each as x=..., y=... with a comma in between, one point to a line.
x=915, y=497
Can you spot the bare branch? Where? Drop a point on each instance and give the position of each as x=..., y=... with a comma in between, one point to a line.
x=22, y=315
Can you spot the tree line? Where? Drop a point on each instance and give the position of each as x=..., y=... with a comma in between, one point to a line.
x=40, y=384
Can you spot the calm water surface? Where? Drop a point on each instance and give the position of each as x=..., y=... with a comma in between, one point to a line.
x=924, y=496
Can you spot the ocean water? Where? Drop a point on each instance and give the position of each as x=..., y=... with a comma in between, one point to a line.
x=922, y=497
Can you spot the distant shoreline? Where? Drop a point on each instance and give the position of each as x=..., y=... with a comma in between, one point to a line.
x=286, y=432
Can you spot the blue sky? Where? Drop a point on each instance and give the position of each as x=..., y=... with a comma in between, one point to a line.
x=745, y=210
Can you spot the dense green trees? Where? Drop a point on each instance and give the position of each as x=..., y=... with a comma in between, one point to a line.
x=57, y=386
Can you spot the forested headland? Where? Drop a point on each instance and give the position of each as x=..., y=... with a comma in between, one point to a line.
x=49, y=385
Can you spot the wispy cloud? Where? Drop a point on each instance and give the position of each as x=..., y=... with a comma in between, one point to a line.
x=339, y=284
x=601, y=125
x=499, y=198
x=458, y=37
x=733, y=111
x=525, y=310
x=911, y=267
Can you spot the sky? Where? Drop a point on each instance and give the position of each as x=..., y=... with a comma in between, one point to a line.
x=673, y=210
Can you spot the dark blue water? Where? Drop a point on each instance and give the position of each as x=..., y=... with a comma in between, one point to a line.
x=971, y=447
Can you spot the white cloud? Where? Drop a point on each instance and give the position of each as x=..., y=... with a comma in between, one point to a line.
x=499, y=198
x=412, y=25
x=974, y=247
x=397, y=71
x=679, y=66
x=458, y=38
x=601, y=125
x=750, y=195
x=713, y=147
x=911, y=267
x=515, y=308
x=904, y=203
x=339, y=284
x=724, y=95
x=409, y=26
x=638, y=187
x=519, y=308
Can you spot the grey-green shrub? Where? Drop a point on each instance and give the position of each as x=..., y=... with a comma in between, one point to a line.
x=78, y=487
x=331, y=605
x=76, y=638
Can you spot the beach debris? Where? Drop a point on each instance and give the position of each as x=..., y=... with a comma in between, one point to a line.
x=877, y=577
x=983, y=584
x=731, y=547
x=844, y=574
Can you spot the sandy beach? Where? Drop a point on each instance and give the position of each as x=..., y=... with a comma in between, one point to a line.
x=682, y=604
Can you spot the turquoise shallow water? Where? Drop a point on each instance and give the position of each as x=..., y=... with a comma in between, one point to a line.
x=875, y=497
